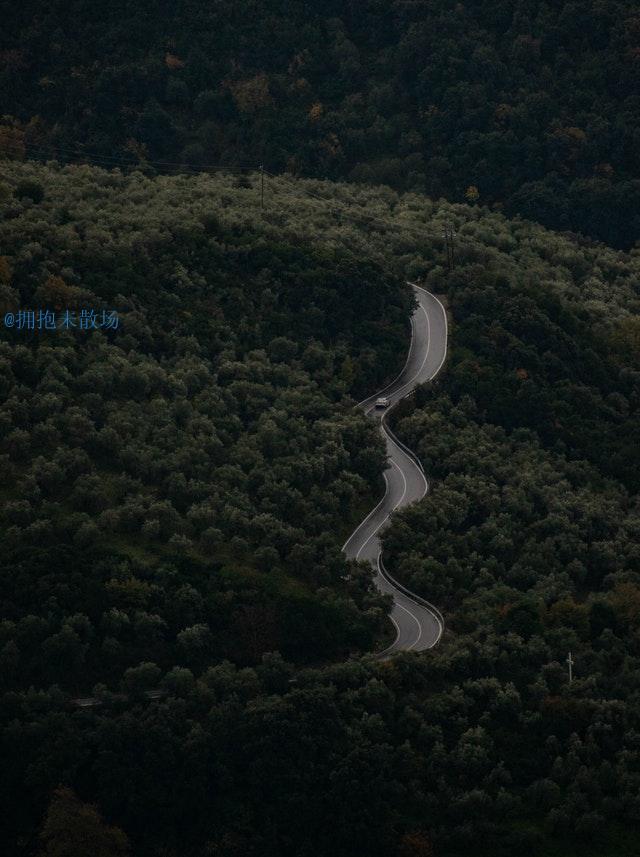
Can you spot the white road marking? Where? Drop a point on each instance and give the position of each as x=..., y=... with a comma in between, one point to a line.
x=396, y=603
x=446, y=327
x=388, y=515
x=411, y=380
x=424, y=478
x=371, y=513
x=426, y=357
x=406, y=362
x=395, y=445
x=418, y=623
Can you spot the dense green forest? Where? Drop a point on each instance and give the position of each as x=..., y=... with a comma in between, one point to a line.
x=175, y=494
x=207, y=433
x=529, y=105
x=529, y=542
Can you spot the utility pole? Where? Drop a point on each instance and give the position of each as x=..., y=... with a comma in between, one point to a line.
x=452, y=236
x=448, y=235
x=261, y=185
x=445, y=235
x=570, y=661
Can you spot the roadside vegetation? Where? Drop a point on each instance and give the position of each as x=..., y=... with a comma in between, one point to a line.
x=175, y=494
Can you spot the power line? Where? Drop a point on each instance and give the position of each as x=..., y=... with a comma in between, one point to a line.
x=52, y=151
x=344, y=211
x=347, y=213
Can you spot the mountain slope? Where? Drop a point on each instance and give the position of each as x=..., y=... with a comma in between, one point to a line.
x=530, y=104
x=142, y=554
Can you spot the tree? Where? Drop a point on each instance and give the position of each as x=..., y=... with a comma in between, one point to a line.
x=12, y=143
x=76, y=829
x=30, y=190
x=472, y=194
x=416, y=844
x=252, y=94
x=194, y=644
x=138, y=680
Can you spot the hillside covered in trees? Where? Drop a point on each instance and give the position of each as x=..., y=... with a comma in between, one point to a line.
x=175, y=494
x=175, y=482
x=529, y=104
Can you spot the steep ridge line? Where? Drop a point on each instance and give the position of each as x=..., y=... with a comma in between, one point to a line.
x=419, y=624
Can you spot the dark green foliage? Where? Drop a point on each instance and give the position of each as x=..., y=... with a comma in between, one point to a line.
x=73, y=829
x=169, y=487
x=533, y=103
x=175, y=494
x=29, y=190
x=528, y=539
x=530, y=360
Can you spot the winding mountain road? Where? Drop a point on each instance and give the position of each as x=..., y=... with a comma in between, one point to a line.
x=418, y=623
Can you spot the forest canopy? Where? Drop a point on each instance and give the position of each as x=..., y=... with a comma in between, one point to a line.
x=528, y=106
x=164, y=480
x=175, y=494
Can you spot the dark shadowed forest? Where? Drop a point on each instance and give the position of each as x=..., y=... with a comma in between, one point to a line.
x=527, y=105
x=189, y=664
x=176, y=492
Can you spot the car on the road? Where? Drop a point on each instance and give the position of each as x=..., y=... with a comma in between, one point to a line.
x=382, y=402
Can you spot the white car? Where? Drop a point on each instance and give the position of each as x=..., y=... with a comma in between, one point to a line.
x=382, y=402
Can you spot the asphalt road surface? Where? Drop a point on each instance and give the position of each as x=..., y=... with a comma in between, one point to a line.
x=419, y=625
